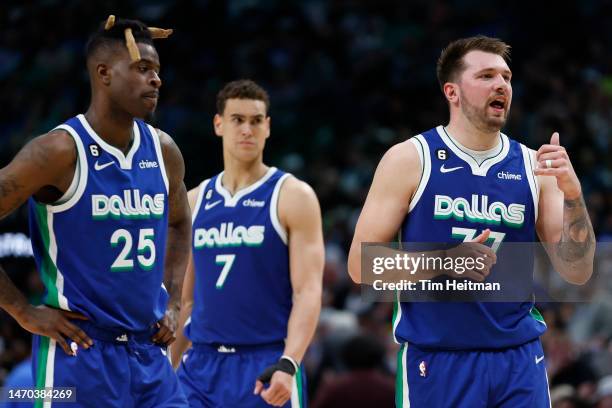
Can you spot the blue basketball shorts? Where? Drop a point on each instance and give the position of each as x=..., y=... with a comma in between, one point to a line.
x=224, y=376
x=509, y=378
x=120, y=370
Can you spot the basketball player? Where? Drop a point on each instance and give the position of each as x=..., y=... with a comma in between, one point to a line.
x=109, y=221
x=253, y=285
x=475, y=354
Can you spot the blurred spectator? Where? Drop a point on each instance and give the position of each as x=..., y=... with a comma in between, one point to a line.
x=18, y=379
x=365, y=384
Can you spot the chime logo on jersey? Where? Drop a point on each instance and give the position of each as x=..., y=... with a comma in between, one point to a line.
x=479, y=210
x=229, y=235
x=131, y=205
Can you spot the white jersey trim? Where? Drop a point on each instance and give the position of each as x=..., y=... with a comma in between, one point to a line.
x=232, y=201
x=295, y=396
x=398, y=316
x=477, y=169
x=81, y=182
x=199, y=200
x=73, y=184
x=125, y=162
x=534, y=186
x=160, y=156
x=59, y=278
x=423, y=151
x=280, y=230
x=50, y=369
x=405, y=388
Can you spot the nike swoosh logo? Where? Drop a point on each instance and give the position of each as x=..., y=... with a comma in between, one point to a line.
x=538, y=359
x=208, y=206
x=98, y=166
x=445, y=170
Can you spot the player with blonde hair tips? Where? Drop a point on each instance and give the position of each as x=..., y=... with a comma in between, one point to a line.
x=109, y=222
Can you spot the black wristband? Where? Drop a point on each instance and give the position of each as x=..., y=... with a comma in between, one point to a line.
x=284, y=365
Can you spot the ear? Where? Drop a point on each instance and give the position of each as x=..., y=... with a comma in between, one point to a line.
x=268, y=121
x=451, y=92
x=218, y=124
x=104, y=74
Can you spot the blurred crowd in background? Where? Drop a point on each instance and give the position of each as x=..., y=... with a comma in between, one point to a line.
x=347, y=80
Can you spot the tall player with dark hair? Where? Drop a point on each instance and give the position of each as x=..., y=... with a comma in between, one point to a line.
x=109, y=221
x=253, y=286
x=475, y=354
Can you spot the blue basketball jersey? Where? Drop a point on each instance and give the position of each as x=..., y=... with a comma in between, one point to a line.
x=242, y=291
x=100, y=250
x=456, y=200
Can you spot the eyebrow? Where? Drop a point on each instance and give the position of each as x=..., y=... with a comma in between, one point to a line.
x=505, y=71
x=240, y=115
x=150, y=62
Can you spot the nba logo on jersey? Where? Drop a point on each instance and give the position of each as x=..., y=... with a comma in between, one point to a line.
x=423, y=369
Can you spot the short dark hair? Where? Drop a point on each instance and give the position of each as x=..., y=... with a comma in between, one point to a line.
x=451, y=64
x=116, y=35
x=241, y=89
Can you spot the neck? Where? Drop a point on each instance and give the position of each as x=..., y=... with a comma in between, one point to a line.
x=471, y=136
x=112, y=125
x=238, y=175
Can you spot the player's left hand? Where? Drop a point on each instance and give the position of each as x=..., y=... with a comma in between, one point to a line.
x=279, y=391
x=552, y=160
x=167, y=328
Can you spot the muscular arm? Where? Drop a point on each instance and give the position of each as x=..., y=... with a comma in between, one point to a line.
x=565, y=230
x=395, y=181
x=30, y=171
x=299, y=211
x=47, y=162
x=179, y=227
x=182, y=343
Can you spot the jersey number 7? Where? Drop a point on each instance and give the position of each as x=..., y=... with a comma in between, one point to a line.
x=227, y=261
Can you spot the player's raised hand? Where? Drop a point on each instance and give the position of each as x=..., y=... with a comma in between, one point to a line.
x=279, y=391
x=552, y=160
x=55, y=324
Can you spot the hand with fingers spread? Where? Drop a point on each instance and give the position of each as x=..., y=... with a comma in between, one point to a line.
x=475, y=249
x=553, y=160
x=166, y=334
x=55, y=323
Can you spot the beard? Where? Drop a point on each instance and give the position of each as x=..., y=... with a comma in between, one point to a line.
x=479, y=117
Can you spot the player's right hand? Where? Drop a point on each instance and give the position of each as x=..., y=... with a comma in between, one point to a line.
x=54, y=323
x=475, y=249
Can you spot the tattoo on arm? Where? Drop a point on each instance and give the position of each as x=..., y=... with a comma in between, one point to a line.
x=9, y=190
x=577, y=237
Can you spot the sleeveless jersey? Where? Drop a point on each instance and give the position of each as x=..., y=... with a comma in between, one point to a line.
x=242, y=291
x=100, y=251
x=456, y=200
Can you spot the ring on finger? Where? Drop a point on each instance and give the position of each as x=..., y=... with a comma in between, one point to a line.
x=548, y=163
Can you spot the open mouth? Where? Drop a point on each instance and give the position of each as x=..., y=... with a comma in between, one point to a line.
x=498, y=104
